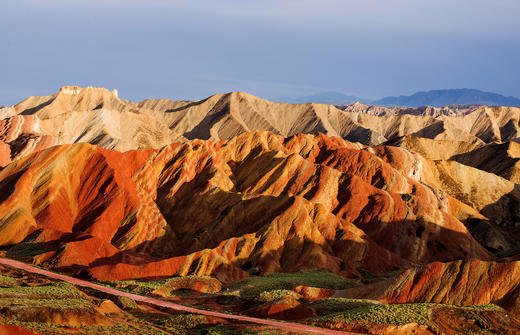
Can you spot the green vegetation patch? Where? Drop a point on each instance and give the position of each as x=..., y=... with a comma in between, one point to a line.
x=51, y=304
x=335, y=305
x=273, y=295
x=117, y=329
x=398, y=314
x=59, y=290
x=126, y=303
x=6, y=281
x=58, y=296
x=123, y=329
x=137, y=286
x=254, y=286
x=183, y=321
x=394, y=314
x=223, y=330
x=198, y=324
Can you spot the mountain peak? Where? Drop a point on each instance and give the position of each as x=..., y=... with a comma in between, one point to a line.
x=75, y=90
x=72, y=90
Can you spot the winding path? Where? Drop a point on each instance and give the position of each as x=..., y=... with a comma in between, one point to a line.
x=158, y=302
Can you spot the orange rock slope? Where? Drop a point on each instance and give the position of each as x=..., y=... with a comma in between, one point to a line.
x=462, y=283
x=220, y=208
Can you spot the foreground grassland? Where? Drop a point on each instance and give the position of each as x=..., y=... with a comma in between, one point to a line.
x=349, y=310
x=55, y=296
x=58, y=308
x=363, y=315
x=135, y=328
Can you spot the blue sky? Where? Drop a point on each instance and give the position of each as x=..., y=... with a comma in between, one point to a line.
x=192, y=49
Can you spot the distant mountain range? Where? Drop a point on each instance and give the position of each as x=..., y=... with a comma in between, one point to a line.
x=436, y=98
x=439, y=98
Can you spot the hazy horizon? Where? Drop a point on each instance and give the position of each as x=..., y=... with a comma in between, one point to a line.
x=272, y=49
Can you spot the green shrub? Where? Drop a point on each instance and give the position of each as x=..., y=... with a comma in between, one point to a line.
x=117, y=329
x=398, y=314
x=59, y=290
x=52, y=304
x=273, y=295
x=126, y=303
x=184, y=321
x=6, y=281
x=137, y=286
x=334, y=305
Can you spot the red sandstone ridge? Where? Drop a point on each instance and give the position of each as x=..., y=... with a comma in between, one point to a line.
x=461, y=283
x=216, y=208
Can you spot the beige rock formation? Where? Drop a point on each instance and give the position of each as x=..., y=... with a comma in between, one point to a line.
x=98, y=116
x=434, y=149
x=499, y=158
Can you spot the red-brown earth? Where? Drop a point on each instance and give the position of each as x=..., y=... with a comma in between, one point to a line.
x=217, y=208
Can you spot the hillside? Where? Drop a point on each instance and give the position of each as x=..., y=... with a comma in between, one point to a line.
x=277, y=205
x=366, y=219
x=463, y=283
